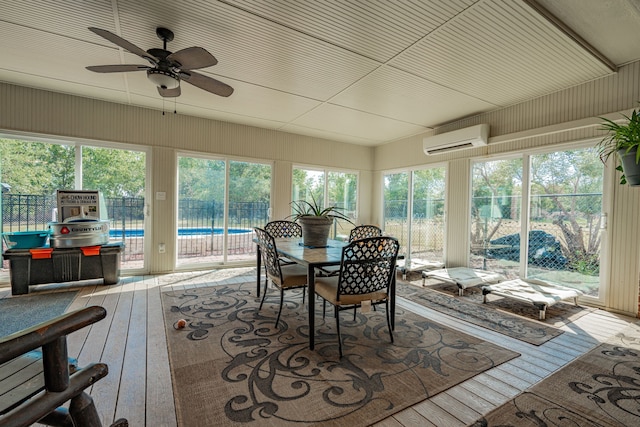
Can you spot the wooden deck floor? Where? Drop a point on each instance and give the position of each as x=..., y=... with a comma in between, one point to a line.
x=131, y=340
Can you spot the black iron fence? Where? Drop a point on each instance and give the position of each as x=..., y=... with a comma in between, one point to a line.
x=28, y=212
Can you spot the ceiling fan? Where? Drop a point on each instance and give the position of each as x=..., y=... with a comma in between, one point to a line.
x=167, y=69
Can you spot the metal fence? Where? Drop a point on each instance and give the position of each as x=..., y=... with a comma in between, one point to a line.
x=28, y=212
x=564, y=232
x=200, y=225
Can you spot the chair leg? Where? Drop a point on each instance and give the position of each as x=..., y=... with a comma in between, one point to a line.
x=386, y=305
x=324, y=307
x=264, y=294
x=337, y=314
x=355, y=311
x=281, y=302
x=83, y=411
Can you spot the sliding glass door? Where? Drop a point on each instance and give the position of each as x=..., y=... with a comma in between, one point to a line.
x=558, y=196
x=219, y=203
x=565, y=219
x=414, y=213
x=38, y=169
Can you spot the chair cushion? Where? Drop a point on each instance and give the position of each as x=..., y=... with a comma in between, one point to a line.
x=293, y=275
x=327, y=288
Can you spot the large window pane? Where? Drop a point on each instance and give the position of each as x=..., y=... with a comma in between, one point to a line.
x=201, y=202
x=427, y=218
x=212, y=230
x=340, y=191
x=249, y=195
x=38, y=169
x=396, y=208
x=120, y=176
x=308, y=185
x=565, y=215
x=495, y=216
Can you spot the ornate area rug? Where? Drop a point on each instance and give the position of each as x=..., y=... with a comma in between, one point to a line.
x=601, y=388
x=231, y=366
x=503, y=315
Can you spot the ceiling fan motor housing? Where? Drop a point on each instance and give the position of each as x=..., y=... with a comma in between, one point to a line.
x=164, y=79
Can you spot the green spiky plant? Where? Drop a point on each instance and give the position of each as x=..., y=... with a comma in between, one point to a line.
x=303, y=208
x=623, y=138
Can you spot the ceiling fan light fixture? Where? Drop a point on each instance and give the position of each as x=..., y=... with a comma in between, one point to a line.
x=163, y=78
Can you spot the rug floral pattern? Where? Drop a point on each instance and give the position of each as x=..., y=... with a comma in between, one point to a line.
x=601, y=388
x=232, y=366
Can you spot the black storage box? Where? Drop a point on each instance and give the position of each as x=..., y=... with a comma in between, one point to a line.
x=53, y=265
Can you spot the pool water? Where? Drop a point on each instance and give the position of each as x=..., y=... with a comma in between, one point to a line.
x=205, y=231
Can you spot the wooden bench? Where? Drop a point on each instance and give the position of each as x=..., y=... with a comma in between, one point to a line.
x=35, y=384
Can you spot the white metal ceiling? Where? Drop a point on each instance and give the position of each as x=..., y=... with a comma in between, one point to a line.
x=358, y=71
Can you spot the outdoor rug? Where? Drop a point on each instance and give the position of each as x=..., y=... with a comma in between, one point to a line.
x=601, y=388
x=231, y=366
x=506, y=316
x=22, y=312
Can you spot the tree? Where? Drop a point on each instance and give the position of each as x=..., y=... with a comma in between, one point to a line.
x=201, y=179
x=249, y=182
x=561, y=176
x=35, y=167
x=114, y=172
x=493, y=182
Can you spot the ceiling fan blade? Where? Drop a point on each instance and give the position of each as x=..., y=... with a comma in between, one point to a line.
x=207, y=83
x=119, y=68
x=193, y=58
x=126, y=45
x=169, y=93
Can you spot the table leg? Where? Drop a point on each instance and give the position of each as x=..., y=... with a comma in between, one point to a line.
x=259, y=265
x=311, y=291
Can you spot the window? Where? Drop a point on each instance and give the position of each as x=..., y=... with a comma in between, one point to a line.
x=495, y=215
x=565, y=219
x=38, y=169
x=414, y=212
x=216, y=215
x=562, y=240
x=329, y=188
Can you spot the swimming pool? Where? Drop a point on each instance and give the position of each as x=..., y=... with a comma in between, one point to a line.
x=204, y=231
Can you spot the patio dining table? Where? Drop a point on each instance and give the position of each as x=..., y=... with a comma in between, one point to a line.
x=312, y=258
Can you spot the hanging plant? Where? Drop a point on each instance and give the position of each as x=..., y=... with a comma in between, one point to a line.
x=623, y=139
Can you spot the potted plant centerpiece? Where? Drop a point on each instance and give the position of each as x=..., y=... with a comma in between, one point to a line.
x=623, y=139
x=315, y=221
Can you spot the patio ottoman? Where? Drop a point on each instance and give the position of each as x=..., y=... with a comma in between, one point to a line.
x=463, y=277
x=536, y=292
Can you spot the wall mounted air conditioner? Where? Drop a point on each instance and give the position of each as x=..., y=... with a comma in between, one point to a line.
x=473, y=136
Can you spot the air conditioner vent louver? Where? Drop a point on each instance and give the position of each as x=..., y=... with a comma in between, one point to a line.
x=474, y=136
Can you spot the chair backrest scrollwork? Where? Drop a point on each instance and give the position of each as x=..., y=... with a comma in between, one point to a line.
x=283, y=228
x=367, y=265
x=269, y=253
x=364, y=231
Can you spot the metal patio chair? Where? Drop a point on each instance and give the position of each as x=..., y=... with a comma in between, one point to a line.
x=367, y=269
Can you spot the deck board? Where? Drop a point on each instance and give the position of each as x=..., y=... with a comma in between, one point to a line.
x=132, y=341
